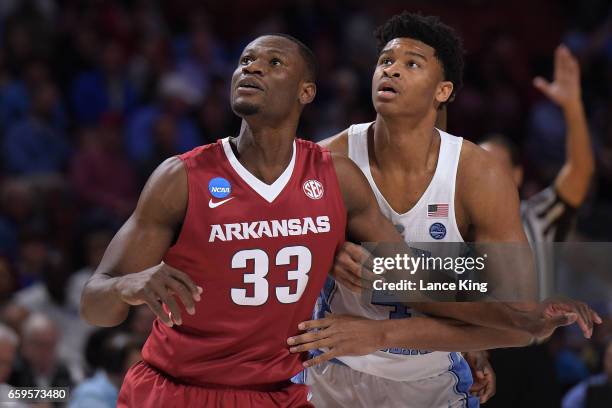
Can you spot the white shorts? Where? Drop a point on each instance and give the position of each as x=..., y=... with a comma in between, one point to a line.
x=335, y=385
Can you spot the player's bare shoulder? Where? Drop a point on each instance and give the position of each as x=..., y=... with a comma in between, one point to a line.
x=481, y=182
x=337, y=144
x=165, y=194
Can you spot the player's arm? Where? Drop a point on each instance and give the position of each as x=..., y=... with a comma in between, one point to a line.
x=573, y=181
x=131, y=271
x=346, y=335
x=491, y=201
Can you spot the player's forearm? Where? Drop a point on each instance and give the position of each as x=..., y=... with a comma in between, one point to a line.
x=575, y=176
x=494, y=315
x=441, y=335
x=100, y=303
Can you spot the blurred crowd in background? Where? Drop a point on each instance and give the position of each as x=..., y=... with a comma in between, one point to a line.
x=95, y=94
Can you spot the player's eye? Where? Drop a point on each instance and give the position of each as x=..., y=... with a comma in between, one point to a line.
x=385, y=61
x=246, y=60
x=412, y=64
x=275, y=62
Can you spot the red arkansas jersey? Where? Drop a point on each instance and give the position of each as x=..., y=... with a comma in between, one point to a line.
x=261, y=253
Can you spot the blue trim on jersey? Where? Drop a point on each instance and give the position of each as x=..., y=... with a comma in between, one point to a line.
x=461, y=371
x=299, y=378
x=323, y=304
x=314, y=353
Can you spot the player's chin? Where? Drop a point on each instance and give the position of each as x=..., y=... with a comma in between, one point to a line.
x=244, y=107
x=386, y=107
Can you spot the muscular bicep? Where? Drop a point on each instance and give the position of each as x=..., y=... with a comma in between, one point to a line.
x=146, y=236
x=365, y=222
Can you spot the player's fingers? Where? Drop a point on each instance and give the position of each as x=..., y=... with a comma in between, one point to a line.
x=162, y=293
x=183, y=293
x=357, y=253
x=316, y=324
x=345, y=276
x=583, y=321
x=307, y=337
x=564, y=319
x=320, y=358
x=151, y=301
x=542, y=85
x=596, y=317
x=185, y=280
x=315, y=345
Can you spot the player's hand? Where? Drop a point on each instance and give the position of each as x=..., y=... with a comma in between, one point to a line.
x=565, y=88
x=559, y=311
x=341, y=335
x=157, y=286
x=484, y=385
x=351, y=268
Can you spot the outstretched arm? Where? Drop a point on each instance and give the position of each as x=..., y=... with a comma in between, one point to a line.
x=573, y=181
x=131, y=271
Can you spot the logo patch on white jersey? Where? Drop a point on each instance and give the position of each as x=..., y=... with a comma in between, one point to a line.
x=313, y=189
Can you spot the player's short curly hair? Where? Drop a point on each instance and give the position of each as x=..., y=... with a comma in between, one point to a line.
x=430, y=30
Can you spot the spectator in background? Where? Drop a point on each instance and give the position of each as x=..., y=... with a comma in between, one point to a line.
x=51, y=298
x=103, y=90
x=101, y=173
x=17, y=208
x=8, y=350
x=176, y=100
x=36, y=144
x=16, y=96
x=8, y=278
x=120, y=352
x=596, y=391
x=37, y=364
x=9, y=342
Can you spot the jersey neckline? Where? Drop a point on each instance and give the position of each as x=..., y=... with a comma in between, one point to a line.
x=268, y=192
x=381, y=195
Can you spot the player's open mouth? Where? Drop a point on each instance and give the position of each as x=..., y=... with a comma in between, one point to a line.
x=387, y=90
x=249, y=84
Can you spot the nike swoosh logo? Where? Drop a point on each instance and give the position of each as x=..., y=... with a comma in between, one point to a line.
x=212, y=204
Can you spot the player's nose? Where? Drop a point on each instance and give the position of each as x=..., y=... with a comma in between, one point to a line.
x=253, y=68
x=391, y=71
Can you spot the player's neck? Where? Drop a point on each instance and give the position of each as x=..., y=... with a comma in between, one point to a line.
x=405, y=143
x=265, y=150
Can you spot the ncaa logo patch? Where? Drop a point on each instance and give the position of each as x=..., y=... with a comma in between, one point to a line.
x=219, y=187
x=437, y=230
x=313, y=189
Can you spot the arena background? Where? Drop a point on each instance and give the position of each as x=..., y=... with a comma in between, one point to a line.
x=94, y=94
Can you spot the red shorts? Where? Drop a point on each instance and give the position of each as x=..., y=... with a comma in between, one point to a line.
x=144, y=386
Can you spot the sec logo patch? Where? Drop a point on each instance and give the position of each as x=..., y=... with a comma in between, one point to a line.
x=313, y=189
x=437, y=230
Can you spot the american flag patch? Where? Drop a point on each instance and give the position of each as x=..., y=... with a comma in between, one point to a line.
x=437, y=211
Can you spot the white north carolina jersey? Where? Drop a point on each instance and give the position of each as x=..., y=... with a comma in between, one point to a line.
x=432, y=219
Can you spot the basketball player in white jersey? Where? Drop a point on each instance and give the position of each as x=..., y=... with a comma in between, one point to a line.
x=434, y=187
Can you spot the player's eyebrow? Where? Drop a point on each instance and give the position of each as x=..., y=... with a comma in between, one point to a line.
x=416, y=54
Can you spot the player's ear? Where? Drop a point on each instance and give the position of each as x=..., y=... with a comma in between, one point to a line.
x=307, y=92
x=517, y=175
x=444, y=91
